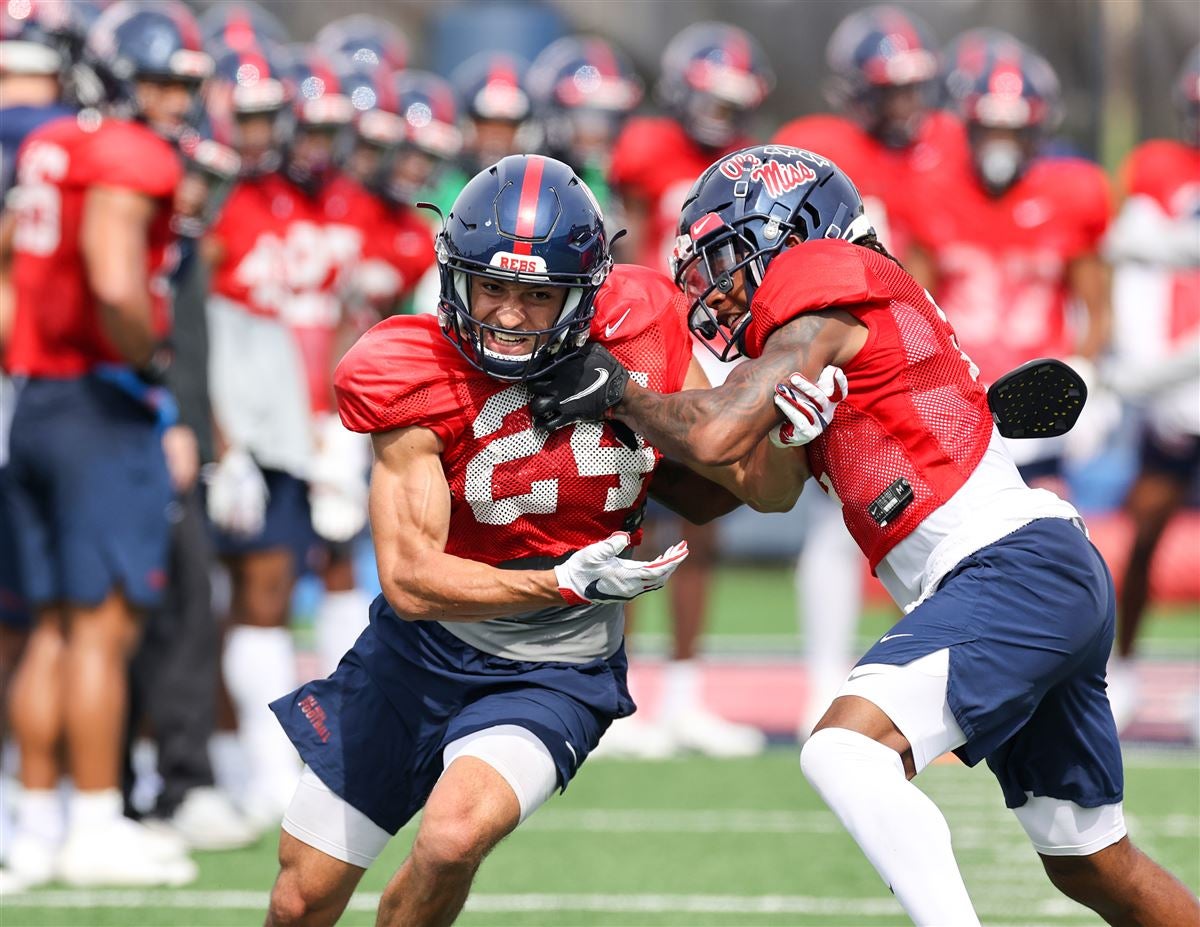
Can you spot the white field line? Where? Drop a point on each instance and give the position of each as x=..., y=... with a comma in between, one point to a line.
x=484, y=903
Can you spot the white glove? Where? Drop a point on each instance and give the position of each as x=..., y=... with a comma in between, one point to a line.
x=337, y=489
x=807, y=406
x=597, y=574
x=237, y=494
x=1101, y=415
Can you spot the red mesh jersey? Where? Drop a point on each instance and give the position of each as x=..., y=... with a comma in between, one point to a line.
x=533, y=493
x=880, y=173
x=655, y=161
x=914, y=409
x=1002, y=262
x=57, y=330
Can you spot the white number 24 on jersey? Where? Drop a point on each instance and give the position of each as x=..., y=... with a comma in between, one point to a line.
x=591, y=459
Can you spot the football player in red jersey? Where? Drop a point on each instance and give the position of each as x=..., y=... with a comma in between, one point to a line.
x=1155, y=247
x=884, y=68
x=494, y=660
x=1009, y=610
x=93, y=241
x=1015, y=236
x=714, y=76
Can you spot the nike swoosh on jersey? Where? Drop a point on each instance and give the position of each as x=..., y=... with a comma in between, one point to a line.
x=609, y=329
x=888, y=637
x=601, y=379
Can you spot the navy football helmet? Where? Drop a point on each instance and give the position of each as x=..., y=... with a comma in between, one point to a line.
x=494, y=97
x=240, y=25
x=526, y=219
x=321, y=112
x=714, y=76
x=876, y=56
x=1187, y=98
x=430, y=139
x=365, y=42
x=584, y=87
x=248, y=83
x=744, y=210
x=33, y=37
x=1011, y=101
x=153, y=41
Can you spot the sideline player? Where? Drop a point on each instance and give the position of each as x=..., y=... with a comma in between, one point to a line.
x=494, y=659
x=884, y=69
x=1010, y=610
x=714, y=76
x=1155, y=245
x=93, y=239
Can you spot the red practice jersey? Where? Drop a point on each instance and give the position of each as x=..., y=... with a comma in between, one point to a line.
x=396, y=253
x=537, y=493
x=1168, y=172
x=1002, y=262
x=655, y=161
x=57, y=331
x=880, y=173
x=914, y=409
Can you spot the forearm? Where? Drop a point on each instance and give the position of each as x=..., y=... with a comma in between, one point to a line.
x=436, y=586
x=771, y=479
x=1091, y=282
x=129, y=326
x=691, y=495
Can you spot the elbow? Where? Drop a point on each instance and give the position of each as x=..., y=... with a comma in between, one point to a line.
x=715, y=445
x=406, y=603
x=779, y=502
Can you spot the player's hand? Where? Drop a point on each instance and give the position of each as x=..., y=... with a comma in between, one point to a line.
x=597, y=574
x=337, y=488
x=580, y=389
x=807, y=406
x=182, y=453
x=237, y=494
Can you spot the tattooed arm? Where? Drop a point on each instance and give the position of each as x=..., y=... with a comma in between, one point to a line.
x=716, y=427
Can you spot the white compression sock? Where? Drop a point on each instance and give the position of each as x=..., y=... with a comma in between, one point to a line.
x=895, y=824
x=40, y=812
x=95, y=810
x=680, y=689
x=341, y=617
x=829, y=593
x=259, y=665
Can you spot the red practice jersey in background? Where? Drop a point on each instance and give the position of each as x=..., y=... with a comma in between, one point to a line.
x=1002, y=262
x=57, y=331
x=536, y=493
x=655, y=161
x=880, y=173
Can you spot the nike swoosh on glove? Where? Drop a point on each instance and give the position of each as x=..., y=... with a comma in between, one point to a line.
x=596, y=574
x=807, y=406
x=580, y=389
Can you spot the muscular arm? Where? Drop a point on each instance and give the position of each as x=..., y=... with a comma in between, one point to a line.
x=113, y=240
x=722, y=426
x=410, y=522
x=1091, y=281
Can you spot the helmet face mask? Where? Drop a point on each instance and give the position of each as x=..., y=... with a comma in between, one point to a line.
x=527, y=220
x=743, y=211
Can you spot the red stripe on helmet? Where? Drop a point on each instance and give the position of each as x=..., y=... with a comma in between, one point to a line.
x=603, y=58
x=737, y=50
x=897, y=23
x=527, y=207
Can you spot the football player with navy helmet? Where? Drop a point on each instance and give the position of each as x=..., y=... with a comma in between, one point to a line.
x=850, y=362
x=494, y=659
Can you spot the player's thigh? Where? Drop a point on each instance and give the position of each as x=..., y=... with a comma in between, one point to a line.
x=324, y=836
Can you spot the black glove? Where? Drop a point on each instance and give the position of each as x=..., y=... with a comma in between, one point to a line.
x=580, y=389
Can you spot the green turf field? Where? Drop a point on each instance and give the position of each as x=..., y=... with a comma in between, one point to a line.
x=690, y=842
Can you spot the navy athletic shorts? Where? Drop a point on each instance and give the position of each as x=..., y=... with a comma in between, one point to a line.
x=14, y=612
x=375, y=730
x=1029, y=623
x=286, y=523
x=89, y=493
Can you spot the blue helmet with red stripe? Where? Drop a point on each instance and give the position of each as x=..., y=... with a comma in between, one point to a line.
x=364, y=42
x=714, y=76
x=430, y=137
x=494, y=95
x=584, y=87
x=883, y=66
x=528, y=220
x=239, y=26
x=249, y=83
x=743, y=210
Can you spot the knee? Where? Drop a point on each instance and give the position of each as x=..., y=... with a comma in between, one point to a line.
x=289, y=906
x=452, y=842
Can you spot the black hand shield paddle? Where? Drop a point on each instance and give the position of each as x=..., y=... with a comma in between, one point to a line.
x=1040, y=399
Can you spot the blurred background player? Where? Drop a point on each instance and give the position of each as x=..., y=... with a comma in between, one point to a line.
x=1011, y=254
x=498, y=114
x=93, y=238
x=585, y=88
x=883, y=84
x=273, y=318
x=714, y=76
x=1155, y=247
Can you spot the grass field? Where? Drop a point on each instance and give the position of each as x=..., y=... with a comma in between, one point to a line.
x=706, y=843
x=689, y=842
